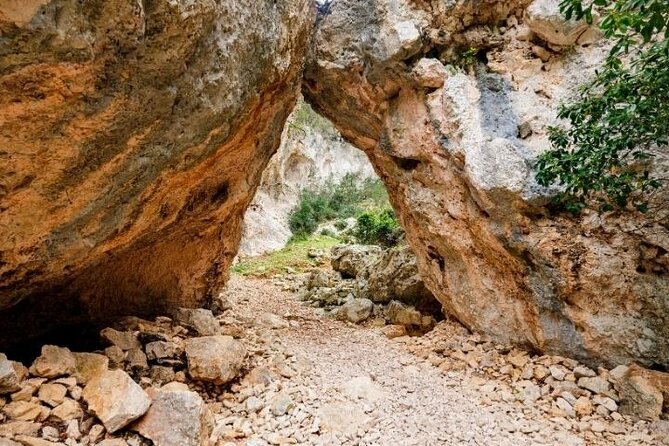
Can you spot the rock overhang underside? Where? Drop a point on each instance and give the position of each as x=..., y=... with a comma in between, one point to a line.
x=134, y=136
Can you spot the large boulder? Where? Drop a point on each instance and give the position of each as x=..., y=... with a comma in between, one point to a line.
x=200, y=320
x=115, y=399
x=355, y=310
x=458, y=164
x=643, y=393
x=177, y=417
x=353, y=261
x=216, y=359
x=9, y=379
x=133, y=137
x=395, y=276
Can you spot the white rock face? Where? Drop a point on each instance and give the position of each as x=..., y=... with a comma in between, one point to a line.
x=545, y=19
x=311, y=153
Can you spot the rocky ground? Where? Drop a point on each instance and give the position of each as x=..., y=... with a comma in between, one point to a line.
x=351, y=384
x=352, y=355
x=266, y=369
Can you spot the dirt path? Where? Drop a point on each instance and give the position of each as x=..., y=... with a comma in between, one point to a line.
x=319, y=381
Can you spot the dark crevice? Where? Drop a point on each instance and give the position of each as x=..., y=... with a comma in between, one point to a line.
x=221, y=193
x=407, y=164
x=80, y=337
x=433, y=254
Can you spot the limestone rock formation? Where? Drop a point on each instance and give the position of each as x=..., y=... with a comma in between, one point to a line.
x=132, y=138
x=312, y=153
x=177, y=417
x=354, y=261
x=9, y=380
x=458, y=163
x=115, y=399
x=216, y=359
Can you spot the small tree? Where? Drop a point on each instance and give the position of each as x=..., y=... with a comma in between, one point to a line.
x=378, y=228
x=621, y=118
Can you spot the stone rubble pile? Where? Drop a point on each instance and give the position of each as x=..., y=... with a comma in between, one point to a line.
x=366, y=282
x=240, y=377
x=590, y=400
x=144, y=388
x=302, y=396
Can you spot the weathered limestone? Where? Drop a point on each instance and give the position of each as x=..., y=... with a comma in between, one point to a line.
x=125, y=340
x=115, y=399
x=545, y=19
x=132, y=137
x=396, y=277
x=200, y=320
x=353, y=260
x=89, y=365
x=216, y=359
x=643, y=393
x=457, y=161
x=9, y=380
x=355, y=310
x=54, y=362
x=177, y=417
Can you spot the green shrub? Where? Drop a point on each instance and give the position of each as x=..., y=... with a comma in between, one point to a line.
x=620, y=119
x=310, y=211
x=327, y=233
x=378, y=228
x=341, y=225
x=336, y=201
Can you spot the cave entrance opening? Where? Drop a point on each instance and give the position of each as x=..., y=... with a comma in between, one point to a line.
x=321, y=223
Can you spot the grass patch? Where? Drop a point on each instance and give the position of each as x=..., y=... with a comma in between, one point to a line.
x=295, y=255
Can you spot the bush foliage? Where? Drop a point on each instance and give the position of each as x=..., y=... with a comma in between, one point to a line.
x=352, y=197
x=620, y=120
x=378, y=228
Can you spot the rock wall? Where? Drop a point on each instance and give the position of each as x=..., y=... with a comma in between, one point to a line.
x=132, y=138
x=456, y=145
x=312, y=153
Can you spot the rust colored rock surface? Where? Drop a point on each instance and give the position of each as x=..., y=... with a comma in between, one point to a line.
x=458, y=163
x=132, y=138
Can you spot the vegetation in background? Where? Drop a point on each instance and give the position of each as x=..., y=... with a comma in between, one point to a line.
x=603, y=155
x=378, y=227
x=336, y=202
x=294, y=256
x=304, y=117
